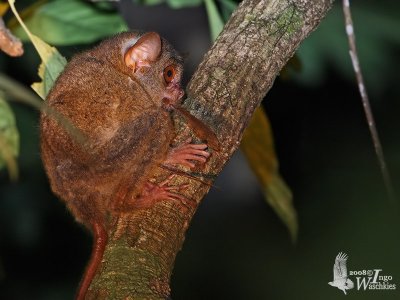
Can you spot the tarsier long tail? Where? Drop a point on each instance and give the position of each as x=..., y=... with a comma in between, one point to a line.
x=99, y=245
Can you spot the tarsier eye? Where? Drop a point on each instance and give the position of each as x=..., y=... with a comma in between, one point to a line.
x=169, y=73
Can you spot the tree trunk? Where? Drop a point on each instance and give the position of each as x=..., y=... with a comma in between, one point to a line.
x=228, y=86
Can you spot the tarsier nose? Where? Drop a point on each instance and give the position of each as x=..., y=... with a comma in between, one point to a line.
x=181, y=93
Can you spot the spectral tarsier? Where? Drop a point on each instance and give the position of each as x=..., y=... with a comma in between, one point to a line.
x=119, y=96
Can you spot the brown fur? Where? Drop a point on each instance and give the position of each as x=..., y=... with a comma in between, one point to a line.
x=127, y=134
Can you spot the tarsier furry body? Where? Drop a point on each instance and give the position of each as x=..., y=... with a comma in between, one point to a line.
x=118, y=96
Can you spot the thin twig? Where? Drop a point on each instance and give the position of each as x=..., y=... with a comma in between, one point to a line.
x=365, y=101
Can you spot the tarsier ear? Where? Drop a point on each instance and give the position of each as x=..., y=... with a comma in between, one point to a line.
x=146, y=49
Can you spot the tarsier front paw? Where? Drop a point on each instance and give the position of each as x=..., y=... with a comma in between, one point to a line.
x=188, y=153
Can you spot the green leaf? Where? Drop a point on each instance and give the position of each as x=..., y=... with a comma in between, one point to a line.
x=228, y=7
x=71, y=22
x=9, y=140
x=52, y=65
x=148, y=2
x=376, y=26
x=52, y=61
x=214, y=19
x=258, y=147
x=176, y=4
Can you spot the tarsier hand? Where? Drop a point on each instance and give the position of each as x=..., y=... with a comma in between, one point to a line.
x=187, y=153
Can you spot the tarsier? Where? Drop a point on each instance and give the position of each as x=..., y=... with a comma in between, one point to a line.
x=119, y=96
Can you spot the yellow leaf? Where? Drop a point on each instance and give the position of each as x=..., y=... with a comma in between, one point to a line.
x=39, y=87
x=50, y=68
x=293, y=65
x=258, y=147
x=52, y=61
x=25, y=13
x=3, y=8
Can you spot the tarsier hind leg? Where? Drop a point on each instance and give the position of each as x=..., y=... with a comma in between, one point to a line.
x=151, y=194
x=186, y=154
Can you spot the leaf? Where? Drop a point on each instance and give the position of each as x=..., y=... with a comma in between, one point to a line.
x=25, y=13
x=228, y=6
x=71, y=22
x=214, y=19
x=176, y=4
x=294, y=65
x=258, y=147
x=52, y=61
x=154, y=2
x=376, y=26
x=52, y=65
x=3, y=8
x=9, y=140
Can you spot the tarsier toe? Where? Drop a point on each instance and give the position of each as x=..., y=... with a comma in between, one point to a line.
x=159, y=192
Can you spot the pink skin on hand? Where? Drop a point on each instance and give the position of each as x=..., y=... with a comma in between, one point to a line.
x=187, y=153
x=153, y=193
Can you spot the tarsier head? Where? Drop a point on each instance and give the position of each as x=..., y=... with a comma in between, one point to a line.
x=154, y=62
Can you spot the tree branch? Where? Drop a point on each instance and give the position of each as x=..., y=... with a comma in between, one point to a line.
x=228, y=86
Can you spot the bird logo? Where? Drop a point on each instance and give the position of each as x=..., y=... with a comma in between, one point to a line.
x=340, y=279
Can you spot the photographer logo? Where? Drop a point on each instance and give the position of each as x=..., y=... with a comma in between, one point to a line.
x=340, y=279
x=373, y=279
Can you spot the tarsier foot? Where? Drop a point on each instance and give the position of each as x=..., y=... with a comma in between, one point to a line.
x=153, y=193
x=188, y=153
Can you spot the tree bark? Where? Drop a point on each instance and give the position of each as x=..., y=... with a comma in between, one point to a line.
x=227, y=87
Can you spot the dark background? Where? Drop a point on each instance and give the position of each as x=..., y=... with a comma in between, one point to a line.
x=236, y=247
